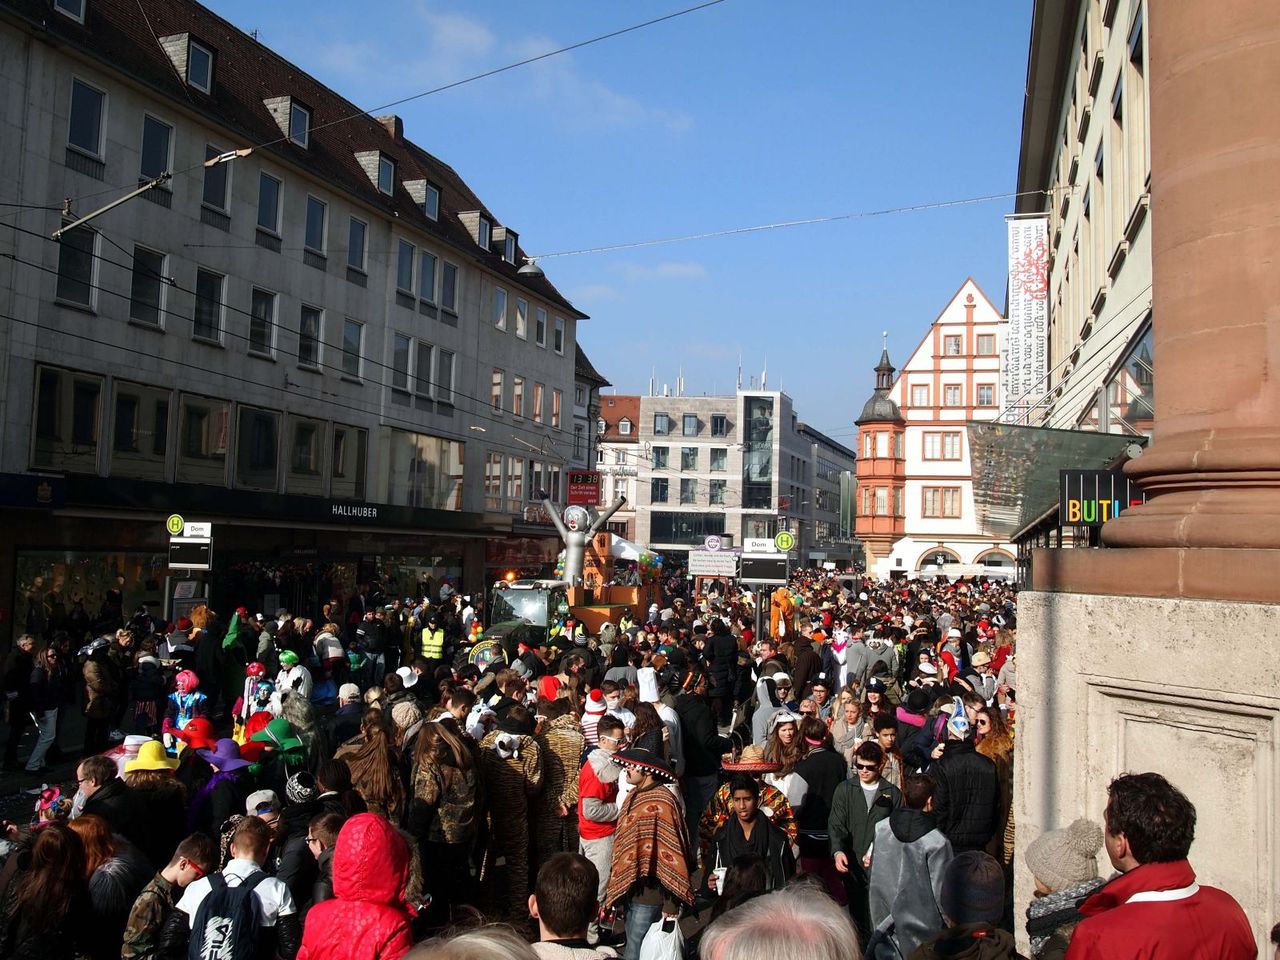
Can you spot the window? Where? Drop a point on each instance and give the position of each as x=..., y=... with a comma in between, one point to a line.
x=1137, y=157
x=404, y=266
x=601, y=426
x=70, y=8
x=493, y=481
x=146, y=289
x=306, y=457
x=620, y=457
x=951, y=395
x=355, y=244
x=495, y=393
x=920, y=395
x=208, y=317
x=688, y=458
x=299, y=124
x=77, y=261
x=719, y=460
x=986, y=344
x=386, y=174
x=624, y=427
x=661, y=424
x=715, y=491
x=509, y=248
x=897, y=445
x=157, y=137
x=942, y=446
x=557, y=400
x=317, y=218
x=257, y=449
x=268, y=203
x=897, y=501
x=522, y=319
x=309, y=337
x=986, y=395
x=515, y=483
x=517, y=396
x=500, y=308
x=867, y=440
x=579, y=441
x=951, y=346
x=427, y=276
x=444, y=377
x=620, y=490
x=352, y=346
x=941, y=502
x=204, y=426
x=215, y=181
x=199, y=67
x=140, y=431
x=558, y=340
x=422, y=378
x=400, y=350
x=719, y=425
x=431, y=202
x=882, y=443
x=84, y=131
x=538, y=390
x=449, y=287
x=882, y=501
x=484, y=232
x=540, y=326
x=67, y=421
x=661, y=458
x=688, y=491
x=262, y=322
x=689, y=425
x=658, y=490
x=350, y=456
x=579, y=396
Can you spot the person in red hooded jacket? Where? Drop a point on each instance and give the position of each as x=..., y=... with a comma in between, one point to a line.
x=367, y=919
x=1155, y=908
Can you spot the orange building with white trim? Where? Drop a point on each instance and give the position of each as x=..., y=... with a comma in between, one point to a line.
x=915, y=511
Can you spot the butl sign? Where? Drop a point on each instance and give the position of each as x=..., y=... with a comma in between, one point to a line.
x=1089, y=498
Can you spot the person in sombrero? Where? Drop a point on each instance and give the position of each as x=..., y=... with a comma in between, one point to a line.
x=652, y=866
x=773, y=804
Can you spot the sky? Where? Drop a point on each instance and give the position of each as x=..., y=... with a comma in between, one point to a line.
x=748, y=112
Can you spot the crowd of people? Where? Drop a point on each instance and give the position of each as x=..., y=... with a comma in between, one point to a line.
x=352, y=786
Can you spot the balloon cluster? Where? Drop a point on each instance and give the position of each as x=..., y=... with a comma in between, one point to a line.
x=560, y=566
x=650, y=566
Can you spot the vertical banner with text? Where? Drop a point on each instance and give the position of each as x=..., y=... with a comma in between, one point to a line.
x=1028, y=349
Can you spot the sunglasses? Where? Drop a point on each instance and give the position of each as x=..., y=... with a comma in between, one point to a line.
x=195, y=868
x=867, y=766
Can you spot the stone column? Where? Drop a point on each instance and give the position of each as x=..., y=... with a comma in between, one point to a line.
x=1213, y=473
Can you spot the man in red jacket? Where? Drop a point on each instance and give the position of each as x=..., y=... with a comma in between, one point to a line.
x=1155, y=908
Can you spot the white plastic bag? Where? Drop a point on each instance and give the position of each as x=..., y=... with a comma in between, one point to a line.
x=664, y=941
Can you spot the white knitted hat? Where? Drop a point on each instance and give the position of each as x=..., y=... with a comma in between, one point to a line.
x=1063, y=858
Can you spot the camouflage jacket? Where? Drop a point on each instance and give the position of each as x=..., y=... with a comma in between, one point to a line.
x=150, y=910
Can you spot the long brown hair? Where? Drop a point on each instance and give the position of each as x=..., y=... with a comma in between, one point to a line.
x=375, y=773
x=95, y=834
x=56, y=879
x=440, y=742
x=997, y=743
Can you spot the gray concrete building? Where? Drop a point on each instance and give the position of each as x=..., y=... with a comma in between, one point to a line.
x=312, y=333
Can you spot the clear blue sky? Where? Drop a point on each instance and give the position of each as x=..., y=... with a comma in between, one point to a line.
x=752, y=111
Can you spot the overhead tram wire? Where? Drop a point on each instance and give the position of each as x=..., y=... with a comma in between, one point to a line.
x=371, y=111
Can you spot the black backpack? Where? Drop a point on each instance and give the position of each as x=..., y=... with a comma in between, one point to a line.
x=227, y=922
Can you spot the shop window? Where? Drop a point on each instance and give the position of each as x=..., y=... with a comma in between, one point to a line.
x=257, y=449
x=423, y=471
x=139, y=431
x=306, y=457
x=67, y=421
x=350, y=458
x=203, y=425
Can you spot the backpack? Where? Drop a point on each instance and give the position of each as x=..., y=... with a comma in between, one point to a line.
x=227, y=921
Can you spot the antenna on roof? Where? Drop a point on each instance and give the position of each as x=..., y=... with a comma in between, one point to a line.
x=254, y=33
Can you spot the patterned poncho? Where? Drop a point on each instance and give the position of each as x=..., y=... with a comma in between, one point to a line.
x=650, y=844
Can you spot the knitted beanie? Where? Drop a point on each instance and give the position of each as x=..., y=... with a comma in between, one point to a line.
x=595, y=702
x=972, y=889
x=1063, y=858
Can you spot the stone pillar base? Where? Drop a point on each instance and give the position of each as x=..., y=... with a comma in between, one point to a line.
x=1188, y=688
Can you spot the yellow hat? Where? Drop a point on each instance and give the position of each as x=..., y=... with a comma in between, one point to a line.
x=151, y=756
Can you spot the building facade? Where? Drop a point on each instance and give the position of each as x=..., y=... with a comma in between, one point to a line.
x=1086, y=144
x=618, y=459
x=915, y=505
x=311, y=332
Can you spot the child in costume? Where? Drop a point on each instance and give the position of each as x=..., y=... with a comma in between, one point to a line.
x=185, y=702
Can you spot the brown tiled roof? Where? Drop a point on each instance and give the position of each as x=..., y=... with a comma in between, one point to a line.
x=615, y=407
x=583, y=369
x=245, y=73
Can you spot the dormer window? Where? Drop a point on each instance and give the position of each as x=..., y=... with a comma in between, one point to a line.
x=509, y=247
x=624, y=427
x=486, y=232
x=299, y=124
x=431, y=205
x=199, y=67
x=601, y=426
x=386, y=174
x=70, y=8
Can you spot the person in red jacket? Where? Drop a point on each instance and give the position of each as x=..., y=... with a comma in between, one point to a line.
x=368, y=919
x=1155, y=908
